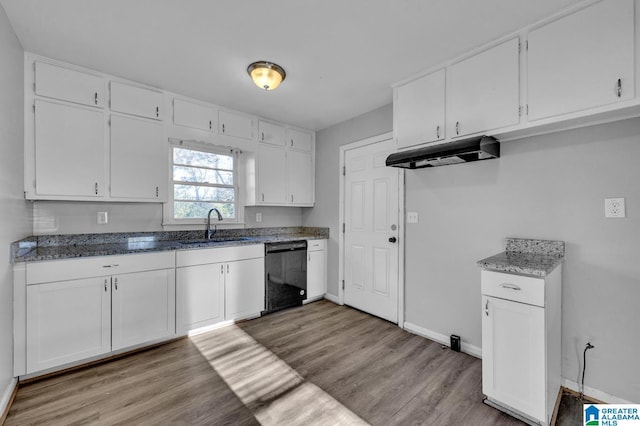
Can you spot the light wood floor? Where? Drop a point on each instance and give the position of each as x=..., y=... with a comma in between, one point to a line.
x=321, y=363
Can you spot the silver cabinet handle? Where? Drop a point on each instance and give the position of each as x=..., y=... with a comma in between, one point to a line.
x=438, y=132
x=486, y=308
x=96, y=188
x=510, y=286
x=222, y=269
x=115, y=282
x=210, y=124
x=95, y=97
x=457, y=127
x=105, y=285
x=619, y=88
x=222, y=127
x=157, y=112
x=227, y=268
x=111, y=265
x=262, y=135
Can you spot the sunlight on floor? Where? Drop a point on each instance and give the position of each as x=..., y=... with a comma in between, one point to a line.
x=273, y=391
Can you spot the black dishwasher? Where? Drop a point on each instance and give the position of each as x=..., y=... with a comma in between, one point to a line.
x=285, y=275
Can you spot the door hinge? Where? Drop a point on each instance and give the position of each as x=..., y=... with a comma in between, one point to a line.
x=344, y=170
x=344, y=227
x=343, y=284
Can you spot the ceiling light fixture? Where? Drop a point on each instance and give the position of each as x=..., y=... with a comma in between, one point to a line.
x=266, y=75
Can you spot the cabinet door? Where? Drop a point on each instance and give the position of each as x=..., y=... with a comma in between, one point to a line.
x=300, y=140
x=419, y=110
x=244, y=288
x=513, y=355
x=137, y=101
x=143, y=307
x=231, y=124
x=300, y=177
x=69, y=150
x=272, y=175
x=199, y=296
x=138, y=159
x=575, y=63
x=69, y=85
x=316, y=274
x=271, y=133
x=483, y=91
x=67, y=321
x=193, y=115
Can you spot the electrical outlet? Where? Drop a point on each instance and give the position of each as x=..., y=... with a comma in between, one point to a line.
x=412, y=217
x=103, y=218
x=614, y=208
x=258, y=217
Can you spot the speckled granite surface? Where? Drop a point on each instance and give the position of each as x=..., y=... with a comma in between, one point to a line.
x=49, y=247
x=526, y=257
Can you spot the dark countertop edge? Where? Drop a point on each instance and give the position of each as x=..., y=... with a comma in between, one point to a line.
x=29, y=255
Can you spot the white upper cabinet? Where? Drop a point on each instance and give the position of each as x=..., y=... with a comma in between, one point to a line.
x=300, y=178
x=194, y=115
x=69, y=85
x=232, y=124
x=137, y=100
x=419, y=110
x=70, y=157
x=271, y=133
x=483, y=91
x=582, y=60
x=272, y=175
x=300, y=140
x=138, y=159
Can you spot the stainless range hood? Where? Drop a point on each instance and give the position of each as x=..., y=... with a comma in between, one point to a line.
x=459, y=151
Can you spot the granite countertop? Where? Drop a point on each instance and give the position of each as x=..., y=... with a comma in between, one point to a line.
x=51, y=247
x=526, y=257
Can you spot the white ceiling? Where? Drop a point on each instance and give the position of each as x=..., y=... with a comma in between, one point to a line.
x=341, y=56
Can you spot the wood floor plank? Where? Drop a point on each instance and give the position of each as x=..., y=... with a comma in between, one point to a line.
x=299, y=366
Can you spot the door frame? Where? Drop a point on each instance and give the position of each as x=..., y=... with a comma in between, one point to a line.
x=401, y=233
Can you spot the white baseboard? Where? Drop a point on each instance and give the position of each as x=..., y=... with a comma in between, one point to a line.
x=332, y=298
x=441, y=338
x=6, y=396
x=594, y=393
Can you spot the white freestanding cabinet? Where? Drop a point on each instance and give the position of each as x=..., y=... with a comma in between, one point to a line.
x=70, y=155
x=138, y=159
x=419, y=110
x=316, y=269
x=521, y=347
x=483, y=91
x=143, y=307
x=67, y=321
x=582, y=60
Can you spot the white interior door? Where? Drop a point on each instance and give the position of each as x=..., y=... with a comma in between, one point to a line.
x=371, y=230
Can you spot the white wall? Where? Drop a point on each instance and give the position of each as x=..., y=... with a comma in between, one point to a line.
x=15, y=214
x=549, y=187
x=328, y=141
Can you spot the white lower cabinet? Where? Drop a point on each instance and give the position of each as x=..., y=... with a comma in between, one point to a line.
x=143, y=307
x=316, y=269
x=78, y=309
x=67, y=321
x=217, y=284
x=521, y=349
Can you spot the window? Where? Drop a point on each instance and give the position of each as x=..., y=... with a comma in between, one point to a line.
x=203, y=180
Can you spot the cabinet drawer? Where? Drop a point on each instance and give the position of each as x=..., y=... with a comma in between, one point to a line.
x=513, y=287
x=215, y=255
x=71, y=269
x=316, y=245
x=137, y=101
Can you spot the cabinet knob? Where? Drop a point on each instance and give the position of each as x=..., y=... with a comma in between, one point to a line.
x=115, y=282
x=619, y=88
x=157, y=112
x=438, y=132
x=210, y=125
x=222, y=127
x=457, y=127
x=105, y=285
x=95, y=97
x=486, y=308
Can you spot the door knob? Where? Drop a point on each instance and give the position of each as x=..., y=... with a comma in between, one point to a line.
x=392, y=240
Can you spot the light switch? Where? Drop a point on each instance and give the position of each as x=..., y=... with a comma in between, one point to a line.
x=258, y=217
x=412, y=217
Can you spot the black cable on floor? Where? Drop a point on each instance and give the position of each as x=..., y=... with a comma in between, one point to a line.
x=584, y=367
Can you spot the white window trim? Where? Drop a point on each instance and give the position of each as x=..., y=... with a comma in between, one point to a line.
x=167, y=210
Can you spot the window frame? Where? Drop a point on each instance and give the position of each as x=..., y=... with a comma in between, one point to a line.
x=169, y=211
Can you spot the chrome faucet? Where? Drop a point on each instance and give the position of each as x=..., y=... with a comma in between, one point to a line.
x=209, y=233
